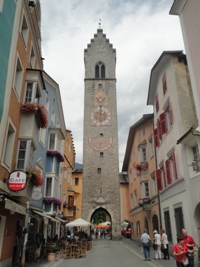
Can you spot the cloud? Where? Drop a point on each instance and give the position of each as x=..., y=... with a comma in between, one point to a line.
x=139, y=30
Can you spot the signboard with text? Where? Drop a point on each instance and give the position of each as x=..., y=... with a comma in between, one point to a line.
x=17, y=181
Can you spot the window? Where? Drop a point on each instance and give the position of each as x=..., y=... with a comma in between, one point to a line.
x=76, y=181
x=143, y=153
x=47, y=103
x=18, y=77
x=135, y=198
x=42, y=136
x=171, y=171
x=52, y=140
x=21, y=154
x=49, y=182
x=145, y=189
x=163, y=178
x=151, y=147
x=31, y=93
x=164, y=83
x=9, y=144
x=100, y=86
x=1, y=5
x=159, y=181
x=71, y=200
x=101, y=134
x=24, y=31
x=195, y=151
x=99, y=170
x=100, y=70
x=166, y=119
x=32, y=58
x=156, y=103
x=64, y=197
x=101, y=155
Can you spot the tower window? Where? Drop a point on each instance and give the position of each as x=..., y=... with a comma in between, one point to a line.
x=101, y=154
x=100, y=71
x=101, y=134
x=98, y=170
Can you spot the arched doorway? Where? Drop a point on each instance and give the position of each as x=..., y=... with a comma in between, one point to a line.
x=155, y=222
x=99, y=217
x=197, y=222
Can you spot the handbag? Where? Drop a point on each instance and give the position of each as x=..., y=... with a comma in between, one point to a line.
x=155, y=246
x=185, y=262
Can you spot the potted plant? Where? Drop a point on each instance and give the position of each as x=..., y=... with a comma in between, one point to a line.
x=34, y=176
x=51, y=252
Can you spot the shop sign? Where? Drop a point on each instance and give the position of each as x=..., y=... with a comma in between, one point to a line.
x=17, y=181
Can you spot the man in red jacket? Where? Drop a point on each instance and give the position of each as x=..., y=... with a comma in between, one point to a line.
x=190, y=244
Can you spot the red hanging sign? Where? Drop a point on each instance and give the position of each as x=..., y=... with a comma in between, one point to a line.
x=17, y=181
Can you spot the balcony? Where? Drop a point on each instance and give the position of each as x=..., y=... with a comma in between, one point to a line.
x=23, y=195
x=29, y=127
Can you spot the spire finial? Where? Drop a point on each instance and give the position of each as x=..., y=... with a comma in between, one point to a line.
x=99, y=23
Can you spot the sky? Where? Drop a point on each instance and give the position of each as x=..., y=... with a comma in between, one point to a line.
x=140, y=30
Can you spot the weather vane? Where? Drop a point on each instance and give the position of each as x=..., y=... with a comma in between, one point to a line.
x=99, y=23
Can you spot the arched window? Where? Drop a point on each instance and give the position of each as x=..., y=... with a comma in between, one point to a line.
x=100, y=71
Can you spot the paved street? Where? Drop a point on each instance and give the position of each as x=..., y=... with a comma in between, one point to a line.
x=110, y=253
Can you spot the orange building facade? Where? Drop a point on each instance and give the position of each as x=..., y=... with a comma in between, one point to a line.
x=139, y=189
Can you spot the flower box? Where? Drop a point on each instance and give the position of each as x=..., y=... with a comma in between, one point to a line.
x=55, y=153
x=40, y=113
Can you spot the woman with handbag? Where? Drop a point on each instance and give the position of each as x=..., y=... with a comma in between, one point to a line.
x=179, y=251
x=157, y=238
x=165, y=245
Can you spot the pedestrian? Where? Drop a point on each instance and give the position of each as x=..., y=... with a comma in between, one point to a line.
x=165, y=245
x=145, y=240
x=190, y=244
x=179, y=251
x=157, y=239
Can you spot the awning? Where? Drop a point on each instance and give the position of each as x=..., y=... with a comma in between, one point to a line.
x=14, y=207
x=45, y=215
x=63, y=221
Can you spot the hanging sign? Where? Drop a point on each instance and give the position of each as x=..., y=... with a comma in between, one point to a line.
x=17, y=181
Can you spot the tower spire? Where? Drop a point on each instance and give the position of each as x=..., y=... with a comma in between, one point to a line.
x=99, y=23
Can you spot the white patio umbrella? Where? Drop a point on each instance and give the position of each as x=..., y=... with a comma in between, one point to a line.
x=105, y=223
x=78, y=222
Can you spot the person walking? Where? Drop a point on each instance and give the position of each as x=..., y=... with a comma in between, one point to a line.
x=165, y=245
x=157, y=238
x=190, y=244
x=145, y=240
x=179, y=251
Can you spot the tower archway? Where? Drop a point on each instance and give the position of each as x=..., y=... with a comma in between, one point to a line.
x=101, y=215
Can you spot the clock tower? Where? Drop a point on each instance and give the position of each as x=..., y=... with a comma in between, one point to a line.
x=100, y=138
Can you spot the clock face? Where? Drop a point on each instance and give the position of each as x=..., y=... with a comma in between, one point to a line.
x=101, y=116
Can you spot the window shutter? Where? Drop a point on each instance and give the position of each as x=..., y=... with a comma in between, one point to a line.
x=168, y=172
x=170, y=113
x=157, y=103
x=163, y=123
x=164, y=83
x=159, y=182
x=156, y=141
x=159, y=129
x=164, y=178
x=174, y=166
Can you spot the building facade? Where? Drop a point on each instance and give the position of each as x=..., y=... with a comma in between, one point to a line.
x=171, y=95
x=100, y=137
x=140, y=166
